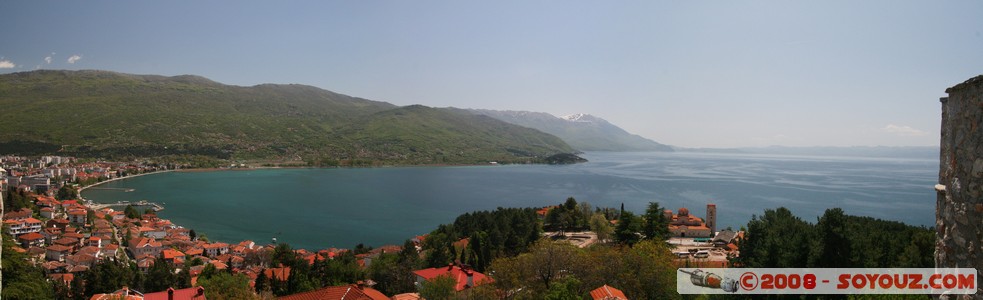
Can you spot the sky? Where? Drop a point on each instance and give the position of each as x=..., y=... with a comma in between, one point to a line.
x=685, y=73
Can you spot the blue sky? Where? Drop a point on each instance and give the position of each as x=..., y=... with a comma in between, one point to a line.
x=687, y=73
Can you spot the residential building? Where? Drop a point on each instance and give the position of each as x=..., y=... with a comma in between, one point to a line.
x=215, y=249
x=56, y=252
x=156, y=233
x=47, y=212
x=465, y=277
x=20, y=214
x=77, y=216
x=31, y=239
x=142, y=246
x=22, y=226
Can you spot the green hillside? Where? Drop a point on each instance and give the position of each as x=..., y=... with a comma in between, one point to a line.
x=432, y=135
x=106, y=114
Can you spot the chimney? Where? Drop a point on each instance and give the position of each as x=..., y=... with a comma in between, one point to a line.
x=201, y=292
x=470, y=278
x=450, y=266
x=170, y=293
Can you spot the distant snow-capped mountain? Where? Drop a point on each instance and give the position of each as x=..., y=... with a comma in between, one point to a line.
x=584, y=132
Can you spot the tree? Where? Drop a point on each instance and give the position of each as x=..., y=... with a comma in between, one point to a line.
x=21, y=278
x=126, y=237
x=648, y=271
x=343, y=269
x=601, y=226
x=583, y=214
x=299, y=280
x=183, y=278
x=262, y=282
x=106, y=277
x=832, y=249
x=536, y=271
x=565, y=290
x=437, y=250
x=131, y=212
x=628, y=228
x=224, y=286
x=160, y=276
x=920, y=251
x=66, y=192
x=438, y=288
x=391, y=277
x=561, y=271
x=777, y=239
x=480, y=251
x=283, y=254
x=208, y=271
x=656, y=226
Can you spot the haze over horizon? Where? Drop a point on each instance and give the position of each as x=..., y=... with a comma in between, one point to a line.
x=734, y=74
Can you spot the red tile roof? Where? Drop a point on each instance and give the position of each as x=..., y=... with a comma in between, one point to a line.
x=194, y=293
x=407, y=296
x=607, y=292
x=59, y=248
x=171, y=254
x=33, y=236
x=349, y=292
x=456, y=272
x=281, y=274
x=374, y=294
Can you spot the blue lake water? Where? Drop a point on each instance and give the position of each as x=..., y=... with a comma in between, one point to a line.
x=321, y=208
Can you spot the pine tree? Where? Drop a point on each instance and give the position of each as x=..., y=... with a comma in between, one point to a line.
x=656, y=227
x=628, y=227
x=262, y=282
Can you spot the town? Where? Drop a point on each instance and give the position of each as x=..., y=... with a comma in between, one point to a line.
x=67, y=236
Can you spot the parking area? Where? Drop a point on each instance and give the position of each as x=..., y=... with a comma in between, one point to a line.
x=697, y=252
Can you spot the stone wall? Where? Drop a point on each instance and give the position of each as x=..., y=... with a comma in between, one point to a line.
x=959, y=207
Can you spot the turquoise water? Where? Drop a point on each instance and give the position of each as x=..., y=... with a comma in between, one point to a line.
x=321, y=208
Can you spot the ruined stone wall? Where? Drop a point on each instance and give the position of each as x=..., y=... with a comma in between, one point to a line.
x=959, y=207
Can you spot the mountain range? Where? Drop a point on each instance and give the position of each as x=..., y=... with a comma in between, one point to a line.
x=116, y=115
x=583, y=132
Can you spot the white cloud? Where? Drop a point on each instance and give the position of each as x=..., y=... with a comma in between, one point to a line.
x=903, y=130
x=47, y=59
x=74, y=58
x=6, y=64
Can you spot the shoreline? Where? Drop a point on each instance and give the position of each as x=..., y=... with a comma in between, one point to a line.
x=345, y=167
x=81, y=189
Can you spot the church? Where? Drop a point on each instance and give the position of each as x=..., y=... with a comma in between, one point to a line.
x=682, y=224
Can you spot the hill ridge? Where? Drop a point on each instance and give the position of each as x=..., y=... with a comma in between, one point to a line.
x=93, y=113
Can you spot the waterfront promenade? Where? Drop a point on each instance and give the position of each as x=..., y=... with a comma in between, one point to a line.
x=96, y=206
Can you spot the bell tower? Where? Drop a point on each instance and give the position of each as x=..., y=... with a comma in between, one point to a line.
x=712, y=218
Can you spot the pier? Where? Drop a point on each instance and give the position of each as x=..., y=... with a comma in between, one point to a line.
x=153, y=205
x=114, y=189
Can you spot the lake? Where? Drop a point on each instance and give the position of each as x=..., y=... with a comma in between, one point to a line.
x=321, y=208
